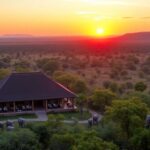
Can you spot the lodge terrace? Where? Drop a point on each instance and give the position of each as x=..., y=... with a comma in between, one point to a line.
x=28, y=92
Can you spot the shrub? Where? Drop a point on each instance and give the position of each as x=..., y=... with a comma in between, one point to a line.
x=140, y=86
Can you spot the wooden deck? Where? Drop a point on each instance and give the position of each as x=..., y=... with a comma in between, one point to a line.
x=31, y=112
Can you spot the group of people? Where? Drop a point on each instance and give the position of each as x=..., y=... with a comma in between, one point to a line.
x=67, y=104
x=20, y=108
x=53, y=105
x=4, y=109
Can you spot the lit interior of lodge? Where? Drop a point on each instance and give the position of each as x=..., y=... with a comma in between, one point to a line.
x=47, y=105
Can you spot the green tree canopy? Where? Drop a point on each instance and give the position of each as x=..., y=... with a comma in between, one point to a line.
x=42, y=132
x=4, y=73
x=23, y=139
x=71, y=81
x=48, y=65
x=129, y=114
x=89, y=141
x=141, y=140
x=144, y=97
x=22, y=66
x=62, y=142
x=101, y=98
x=140, y=86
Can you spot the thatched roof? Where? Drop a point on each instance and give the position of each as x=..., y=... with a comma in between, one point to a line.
x=31, y=86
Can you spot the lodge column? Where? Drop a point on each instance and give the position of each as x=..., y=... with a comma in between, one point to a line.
x=73, y=103
x=14, y=104
x=46, y=105
x=32, y=105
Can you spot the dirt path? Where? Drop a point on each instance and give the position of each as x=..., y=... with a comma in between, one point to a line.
x=42, y=116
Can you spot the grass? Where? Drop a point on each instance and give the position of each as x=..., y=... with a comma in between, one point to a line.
x=11, y=117
x=77, y=115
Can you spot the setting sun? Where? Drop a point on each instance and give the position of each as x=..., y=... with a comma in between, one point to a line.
x=100, y=31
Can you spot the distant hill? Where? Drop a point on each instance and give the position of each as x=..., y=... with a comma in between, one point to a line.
x=16, y=36
x=140, y=37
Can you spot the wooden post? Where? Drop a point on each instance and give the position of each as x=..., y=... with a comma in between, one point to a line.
x=60, y=103
x=32, y=105
x=46, y=105
x=73, y=103
x=14, y=104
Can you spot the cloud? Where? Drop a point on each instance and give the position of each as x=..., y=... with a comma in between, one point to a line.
x=86, y=13
x=104, y=2
x=147, y=17
x=128, y=17
x=98, y=18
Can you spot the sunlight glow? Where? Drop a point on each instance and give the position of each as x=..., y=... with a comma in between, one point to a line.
x=74, y=17
x=100, y=31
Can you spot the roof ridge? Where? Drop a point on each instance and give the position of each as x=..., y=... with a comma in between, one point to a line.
x=59, y=84
x=26, y=72
x=5, y=80
x=65, y=87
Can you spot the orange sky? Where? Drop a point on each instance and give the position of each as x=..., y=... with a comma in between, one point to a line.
x=74, y=17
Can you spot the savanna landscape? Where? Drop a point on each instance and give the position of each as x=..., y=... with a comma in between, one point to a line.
x=111, y=80
x=109, y=66
x=74, y=75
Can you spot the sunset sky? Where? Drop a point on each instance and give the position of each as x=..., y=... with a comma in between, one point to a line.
x=74, y=17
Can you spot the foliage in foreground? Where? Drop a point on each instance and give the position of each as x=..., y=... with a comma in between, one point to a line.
x=23, y=139
x=123, y=127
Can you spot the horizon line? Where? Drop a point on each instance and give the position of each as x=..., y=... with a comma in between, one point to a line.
x=20, y=35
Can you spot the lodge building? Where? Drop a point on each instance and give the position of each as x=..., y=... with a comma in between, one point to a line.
x=28, y=92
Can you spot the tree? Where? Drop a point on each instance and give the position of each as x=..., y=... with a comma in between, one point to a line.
x=147, y=61
x=129, y=85
x=22, y=66
x=51, y=66
x=67, y=79
x=89, y=141
x=71, y=81
x=5, y=62
x=55, y=124
x=41, y=62
x=141, y=140
x=129, y=114
x=6, y=59
x=145, y=69
x=122, y=88
x=48, y=65
x=134, y=59
x=42, y=132
x=144, y=97
x=114, y=87
x=4, y=73
x=110, y=131
x=62, y=142
x=81, y=100
x=106, y=84
x=79, y=86
x=114, y=74
x=23, y=139
x=140, y=86
x=131, y=66
x=102, y=98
